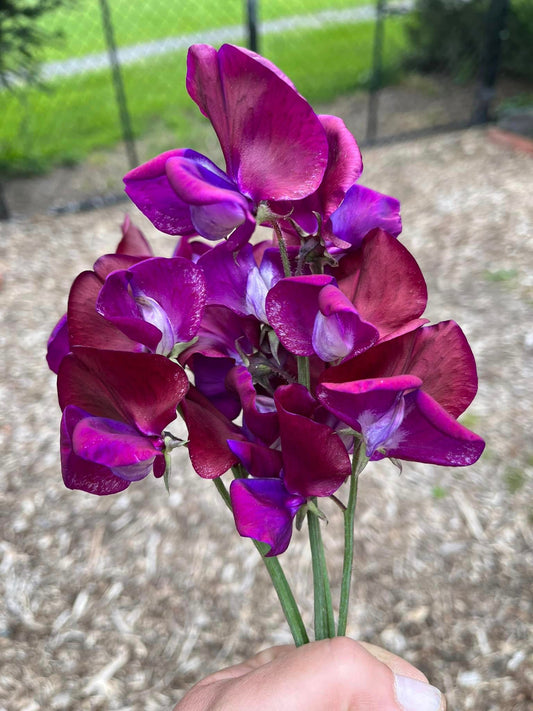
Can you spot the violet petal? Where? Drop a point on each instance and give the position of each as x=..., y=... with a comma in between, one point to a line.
x=363, y=210
x=429, y=434
x=111, y=443
x=149, y=188
x=258, y=460
x=58, y=344
x=79, y=473
x=439, y=355
x=264, y=510
x=291, y=308
x=362, y=403
x=339, y=332
x=158, y=302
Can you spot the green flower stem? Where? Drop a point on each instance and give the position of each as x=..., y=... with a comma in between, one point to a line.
x=224, y=493
x=281, y=585
x=324, y=622
x=285, y=596
x=304, y=375
x=359, y=462
x=282, y=249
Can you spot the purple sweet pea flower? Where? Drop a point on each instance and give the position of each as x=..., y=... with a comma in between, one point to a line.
x=264, y=510
x=237, y=281
x=310, y=315
x=385, y=284
x=158, y=302
x=58, y=344
x=133, y=241
x=312, y=461
x=343, y=169
x=223, y=340
x=439, y=355
x=86, y=327
x=405, y=394
x=260, y=419
x=361, y=211
x=115, y=408
x=274, y=145
x=315, y=461
x=82, y=325
x=398, y=419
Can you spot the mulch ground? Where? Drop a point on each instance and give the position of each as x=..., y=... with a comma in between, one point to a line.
x=123, y=602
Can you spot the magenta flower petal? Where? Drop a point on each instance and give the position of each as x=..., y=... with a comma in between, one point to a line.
x=264, y=510
x=227, y=275
x=118, y=305
x=210, y=379
x=79, y=473
x=217, y=207
x=133, y=241
x=339, y=332
x=149, y=188
x=384, y=283
x=141, y=389
x=344, y=165
x=315, y=460
x=86, y=327
x=373, y=407
x=429, y=434
x=259, y=412
x=363, y=210
x=112, y=443
x=58, y=344
x=258, y=460
x=439, y=355
x=274, y=144
x=158, y=302
x=291, y=308
x=397, y=419
x=311, y=315
x=209, y=432
x=343, y=169
x=224, y=333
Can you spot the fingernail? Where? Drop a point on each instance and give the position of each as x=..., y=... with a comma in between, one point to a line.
x=414, y=695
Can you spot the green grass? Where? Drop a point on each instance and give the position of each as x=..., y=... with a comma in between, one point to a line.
x=80, y=22
x=78, y=115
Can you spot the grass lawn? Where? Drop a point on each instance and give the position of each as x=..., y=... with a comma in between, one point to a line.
x=80, y=22
x=78, y=115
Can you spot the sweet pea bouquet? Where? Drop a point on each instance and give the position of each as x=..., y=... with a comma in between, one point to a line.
x=295, y=354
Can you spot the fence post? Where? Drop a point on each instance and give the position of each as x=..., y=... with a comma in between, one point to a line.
x=4, y=210
x=494, y=25
x=376, y=78
x=252, y=23
x=120, y=94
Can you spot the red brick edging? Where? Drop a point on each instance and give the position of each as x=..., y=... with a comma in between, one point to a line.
x=510, y=140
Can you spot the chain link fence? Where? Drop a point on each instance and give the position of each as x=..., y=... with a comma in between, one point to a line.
x=116, y=70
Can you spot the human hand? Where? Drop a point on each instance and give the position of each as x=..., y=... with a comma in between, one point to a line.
x=331, y=675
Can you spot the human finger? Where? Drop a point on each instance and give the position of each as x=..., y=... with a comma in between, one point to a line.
x=337, y=674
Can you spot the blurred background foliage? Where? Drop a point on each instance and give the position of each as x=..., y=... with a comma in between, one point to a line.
x=450, y=36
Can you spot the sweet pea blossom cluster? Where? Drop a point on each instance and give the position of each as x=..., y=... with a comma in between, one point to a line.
x=294, y=354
